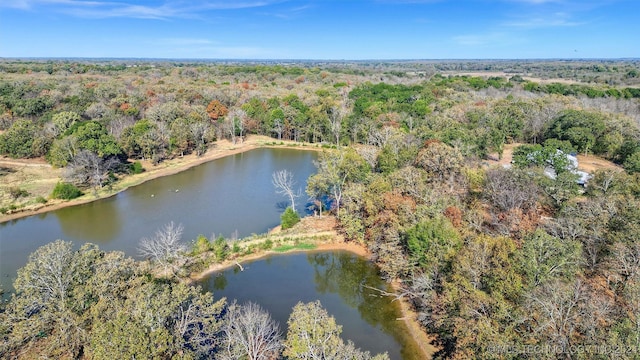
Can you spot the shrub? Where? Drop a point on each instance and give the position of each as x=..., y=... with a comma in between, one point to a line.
x=432, y=242
x=17, y=192
x=220, y=248
x=267, y=245
x=136, y=168
x=632, y=163
x=289, y=218
x=41, y=200
x=65, y=191
x=201, y=244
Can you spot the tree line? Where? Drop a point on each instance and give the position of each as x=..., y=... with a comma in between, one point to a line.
x=491, y=258
x=93, y=124
x=495, y=258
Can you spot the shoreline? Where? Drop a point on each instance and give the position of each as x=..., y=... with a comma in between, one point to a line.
x=228, y=264
x=409, y=317
x=221, y=149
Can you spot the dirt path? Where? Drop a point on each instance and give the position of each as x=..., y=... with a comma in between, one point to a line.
x=24, y=162
x=591, y=163
x=586, y=163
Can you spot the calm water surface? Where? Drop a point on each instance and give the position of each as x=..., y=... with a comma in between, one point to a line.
x=338, y=279
x=224, y=196
x=232, y=194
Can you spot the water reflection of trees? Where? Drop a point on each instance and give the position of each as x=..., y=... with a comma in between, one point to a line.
x=346, y=275
x=219, y=281
x=99, y=221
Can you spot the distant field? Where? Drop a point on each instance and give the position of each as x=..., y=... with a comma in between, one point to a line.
x=588, y=163
x=508, y=75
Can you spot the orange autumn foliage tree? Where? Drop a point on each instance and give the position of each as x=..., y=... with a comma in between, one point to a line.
x=216, y=110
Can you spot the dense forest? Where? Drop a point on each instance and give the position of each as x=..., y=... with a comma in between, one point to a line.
x=498, y=261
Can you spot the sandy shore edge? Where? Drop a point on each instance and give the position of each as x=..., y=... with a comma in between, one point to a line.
x=409, y=316
x=227, y=264
x=222, y=148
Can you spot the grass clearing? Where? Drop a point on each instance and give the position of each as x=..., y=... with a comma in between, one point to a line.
x=289, y=247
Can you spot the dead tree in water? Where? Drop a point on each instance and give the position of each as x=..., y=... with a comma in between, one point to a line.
x=284, y=183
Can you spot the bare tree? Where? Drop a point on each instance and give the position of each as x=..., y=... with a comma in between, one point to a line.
x=278, y=127
x=165, y=247
x=241, y=123
x=336, y=115
x=249, y=332
x=96, y=111
x=117, y=125
x=234, y=123
x=567, y=228
x=556, y=310
x=587, y=223
x=440, y=160
x=380, y=137
x=508, y=190
x=199, y=131
x=87, y=168
x=48, y=276
x=369, y=153
x=565, y=314
x=604, y=180
x=625, y=262
x=540, y=115
x=284, y=183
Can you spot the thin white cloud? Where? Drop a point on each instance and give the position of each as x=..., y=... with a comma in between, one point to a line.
x=290, y=13
x=151, y=10
x=108, y=10
x=558, y=19
x=15, y=4
x=31, y=4
x=542, y=23
x=227, y=5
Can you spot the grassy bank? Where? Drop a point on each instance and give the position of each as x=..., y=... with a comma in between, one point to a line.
x=38, y=178
x=311, y=234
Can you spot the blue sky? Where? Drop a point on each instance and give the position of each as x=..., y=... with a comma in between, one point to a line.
x=321, y=29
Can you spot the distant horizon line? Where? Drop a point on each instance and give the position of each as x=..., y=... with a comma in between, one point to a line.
x=161, y=59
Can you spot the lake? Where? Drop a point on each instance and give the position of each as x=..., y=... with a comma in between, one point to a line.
x=339, y=279
x=227, y=196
